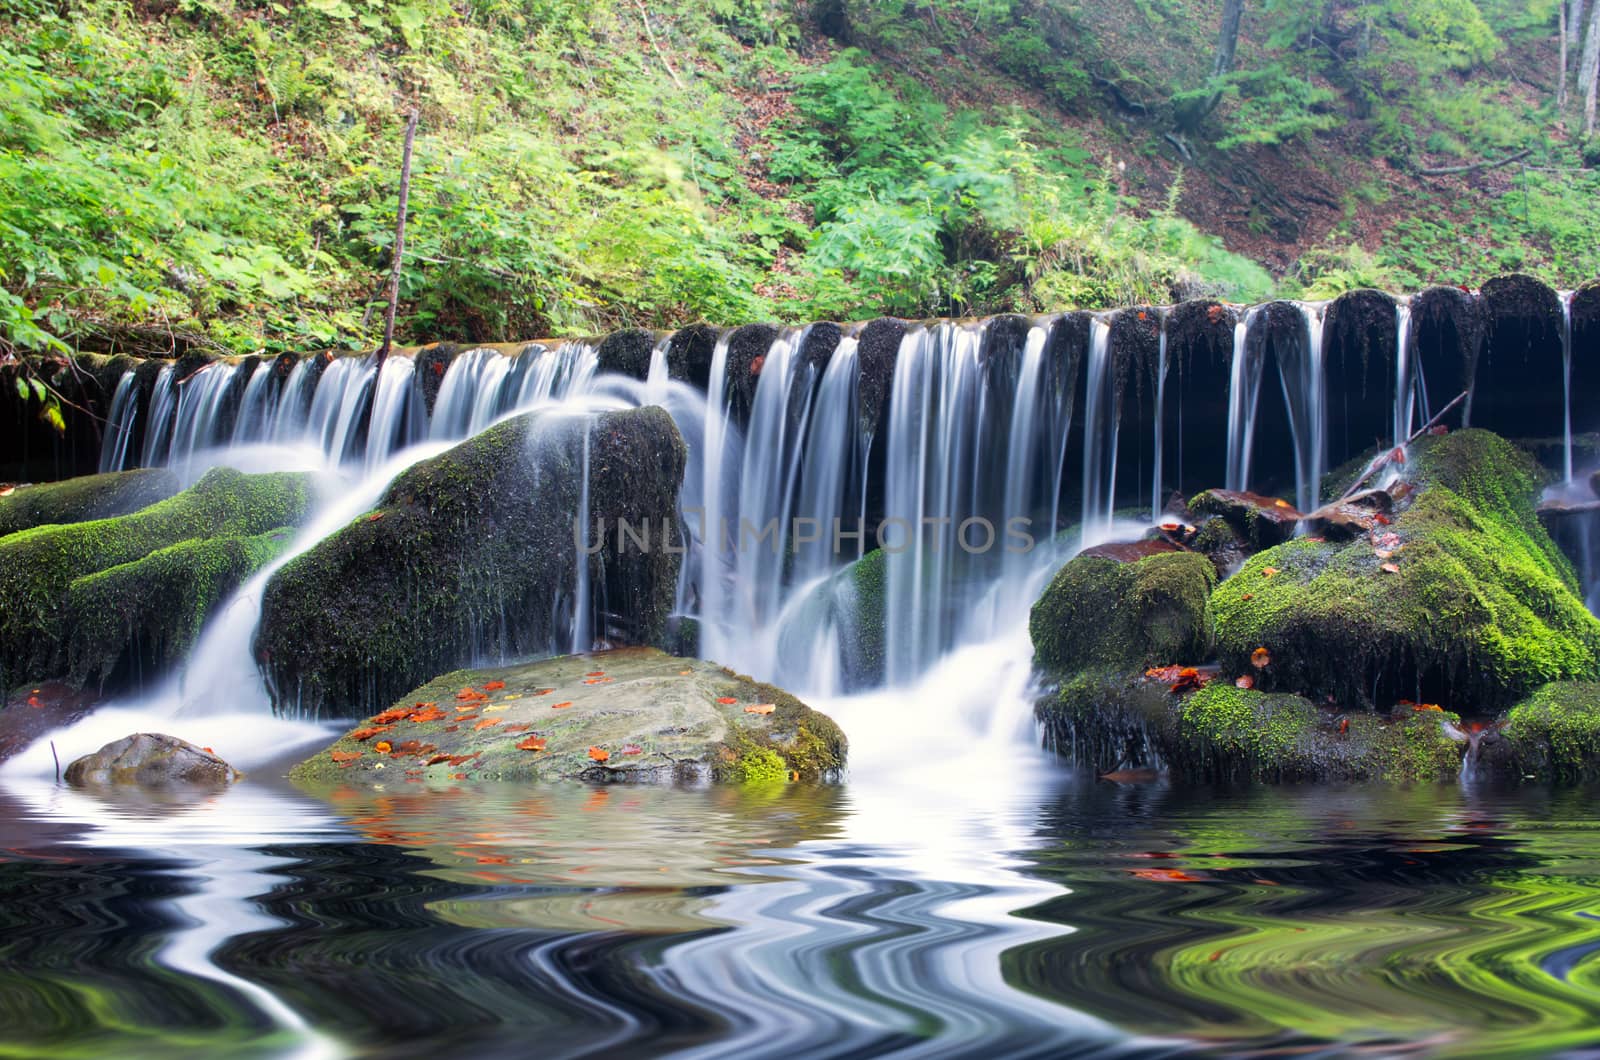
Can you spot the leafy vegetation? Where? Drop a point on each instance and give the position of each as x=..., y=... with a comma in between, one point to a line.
x=224, y=173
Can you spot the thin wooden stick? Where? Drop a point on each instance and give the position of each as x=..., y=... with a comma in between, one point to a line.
x=58, y=760
x=644, y=16
x=399, y=238
x=1386, y=457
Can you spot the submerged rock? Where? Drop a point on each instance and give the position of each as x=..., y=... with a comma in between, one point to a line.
x=39, y=567
x=151, y=760
x=1462, y=598
x=1222, y=733
x=1098, y=613
x=632, y=716
x=473, y=554
x=79, y=500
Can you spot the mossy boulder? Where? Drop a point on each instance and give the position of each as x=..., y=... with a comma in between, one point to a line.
x=144, y=616
x=1098, y=613
x=473, y=555
x=1462, y=599
x=851, y=604
x=1110, y=722
x=633, y=715
x=1262, y=521
x=79, y=500
x=39, y=566
x=1554, y=734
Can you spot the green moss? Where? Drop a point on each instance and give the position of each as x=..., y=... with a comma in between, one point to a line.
x=38, y=566
x=153, y=609
x=1483, y=607
x=83, y=499
x=808, y=743
x=1555, y=732
x=471, y=555
x=861, y=620
x=763, y=766
x=1098, y=613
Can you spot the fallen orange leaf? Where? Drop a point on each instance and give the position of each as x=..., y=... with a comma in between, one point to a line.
x=595, y=673
x=559, y=706
x=544, y=691
x=1391, y=568
x=344, y=756
x=493, y=686
x=725, y=700
x=393, y=714
x=383, y=747
x=1244, y=681
x=374, y=517
x=1344, y=726
x=487, y=723
x=760, y=708
x=1260, y=658
x=1268, y=572
x=685, y=673
x=599, y=754
x=370, y=732
x=208, y=750
x=532, y=743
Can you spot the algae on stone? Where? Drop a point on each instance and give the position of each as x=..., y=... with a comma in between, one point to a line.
x=79, y=500
x=1101, y=614
x=472, y=555
x=38, y=566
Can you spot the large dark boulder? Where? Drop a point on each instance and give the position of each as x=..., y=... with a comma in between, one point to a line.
x=472, y=555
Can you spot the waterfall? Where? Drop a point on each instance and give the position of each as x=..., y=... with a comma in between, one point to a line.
x=119, y=426
x=397, y=411
x=163, y=410
x=1566, y=381
x=1405, y=361
x=1161, y=405
x=258, y=407
x=198, y=421
x=1102, y=416
x=1244, y=393
x=1300, y=372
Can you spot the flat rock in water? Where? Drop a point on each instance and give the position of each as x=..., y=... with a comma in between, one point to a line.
x=1263, y=521
x=633, y=715
x=151, y=760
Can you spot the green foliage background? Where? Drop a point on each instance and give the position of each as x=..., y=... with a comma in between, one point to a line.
x=226, y=171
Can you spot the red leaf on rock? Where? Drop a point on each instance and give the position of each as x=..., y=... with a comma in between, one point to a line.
x=383, y=747
x=726, y=700
x=532, y=743
x=344, y=756
x=493, y=686
x=1344, y=726
x=599, y=754
x=595, y=673
x=487, y=723
x=1261, y=658
x=370, y=732
x=560, y=706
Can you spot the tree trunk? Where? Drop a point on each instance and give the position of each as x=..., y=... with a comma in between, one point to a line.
x=399, y=239
x=1227, y=45
x=1561, y=69
x=1589, y=72
x=1574, y=20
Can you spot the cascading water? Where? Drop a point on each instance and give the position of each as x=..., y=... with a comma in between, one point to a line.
x=1101, y=427
x=1566, y=382
x=1244, y=393
x=120, y=424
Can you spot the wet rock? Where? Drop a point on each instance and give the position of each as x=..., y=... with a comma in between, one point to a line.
x=1463, y=599
x=689, y=353
x=39, y=567
x=473, y=554
x=1219, y=542
x=78, y=500
x=151, y=760
x=1594, y=483
x=1224, y=734
x=1100, y=613
x=627, y=352
x=1345, y=520
x=1132, y=551
x=630, y=716
x=1261, y=521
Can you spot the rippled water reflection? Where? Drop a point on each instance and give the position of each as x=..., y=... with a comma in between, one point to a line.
x=1037, y=915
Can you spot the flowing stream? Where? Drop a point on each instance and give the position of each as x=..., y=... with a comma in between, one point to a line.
x=959, y=892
